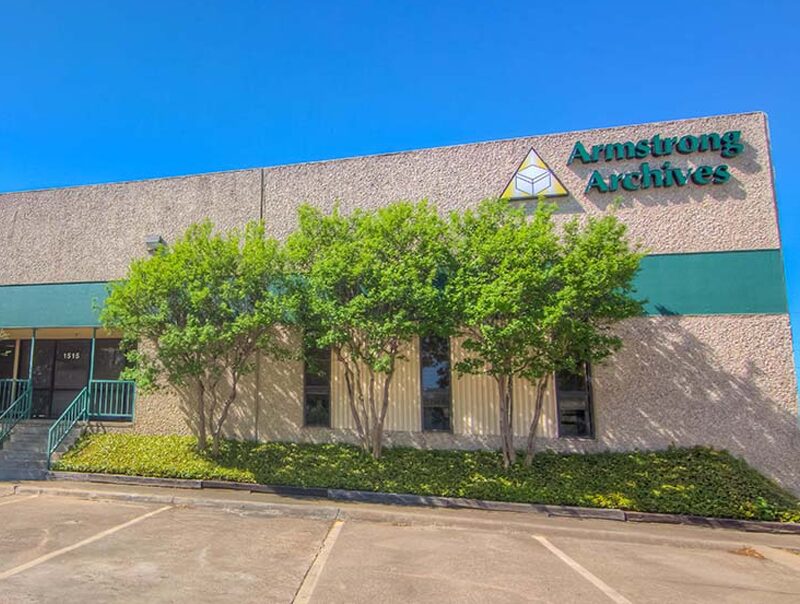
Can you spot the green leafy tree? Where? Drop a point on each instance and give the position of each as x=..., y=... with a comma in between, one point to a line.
x=194, y=315
x=373, y=282
x=530, y=301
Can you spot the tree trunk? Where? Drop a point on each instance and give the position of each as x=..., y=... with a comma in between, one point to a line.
x=541, y=388
x=506, y=410
x=223, y=415
x=363, y=408
x=377, y=434
x=202, y=442
x=349, y=381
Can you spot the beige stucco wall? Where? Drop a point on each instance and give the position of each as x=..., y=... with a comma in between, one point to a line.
x=723, y=381
x=91, y=233
x=733, y=216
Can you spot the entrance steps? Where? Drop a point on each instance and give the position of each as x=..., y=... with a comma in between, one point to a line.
x=23, y=455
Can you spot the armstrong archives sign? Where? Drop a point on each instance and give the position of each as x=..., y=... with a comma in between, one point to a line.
x=662, y=174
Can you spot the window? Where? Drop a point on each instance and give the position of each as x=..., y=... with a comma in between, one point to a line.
x=7, y=348
x=436, y=397
x=109, y=360
x=574, y=396
x=317, y=387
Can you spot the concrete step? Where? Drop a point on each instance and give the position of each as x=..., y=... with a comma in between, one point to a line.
x=22, y=451
x=36, y=438
x=23, y=464
x=21, y=456
x=28, y=433
x=28, y=437
x=23, y=439
x=13, y=452
x=26, y=427
x=14, y=474
x=25, y=449
x=23, y=426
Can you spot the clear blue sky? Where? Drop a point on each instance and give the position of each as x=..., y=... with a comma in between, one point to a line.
x=106, y=91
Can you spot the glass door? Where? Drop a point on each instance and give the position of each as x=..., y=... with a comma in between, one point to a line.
x=42, y=382
x=60, y=371
x=71, y=372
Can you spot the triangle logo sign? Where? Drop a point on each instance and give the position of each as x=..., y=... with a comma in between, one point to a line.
x=533, y=180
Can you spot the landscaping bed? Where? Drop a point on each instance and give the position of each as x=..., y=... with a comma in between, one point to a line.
x=696, y=481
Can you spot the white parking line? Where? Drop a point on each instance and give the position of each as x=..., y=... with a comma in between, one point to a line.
x=16, y=499
x=612, y=593
x=306, y=590
x=41, y=559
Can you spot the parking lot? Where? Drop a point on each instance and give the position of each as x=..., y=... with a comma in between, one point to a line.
x=68, y=549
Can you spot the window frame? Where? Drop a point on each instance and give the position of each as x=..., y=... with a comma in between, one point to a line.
x=449, y=429
x=589, y=408
x=329, y=424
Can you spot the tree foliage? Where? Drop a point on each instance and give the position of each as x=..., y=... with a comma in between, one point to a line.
x=195, y=314
x=526, y=297
x=373, y=282
x=529, y=300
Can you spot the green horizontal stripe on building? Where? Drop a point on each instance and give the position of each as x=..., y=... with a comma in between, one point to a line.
x=707, y=283
x=713, y=283
x=52, y=304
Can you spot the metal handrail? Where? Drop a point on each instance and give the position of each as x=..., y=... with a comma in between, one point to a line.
x=18, y=410
x=112, y=399
x=9, y=390
x=76, y=411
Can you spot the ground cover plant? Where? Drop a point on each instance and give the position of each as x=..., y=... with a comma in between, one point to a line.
x=696, y=481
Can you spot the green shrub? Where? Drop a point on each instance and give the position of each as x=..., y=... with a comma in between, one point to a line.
x=697, y=481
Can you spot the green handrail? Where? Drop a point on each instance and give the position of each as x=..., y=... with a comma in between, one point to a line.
x=78, y=410
x=10, y=389
x=18, y=410
x=112, y=399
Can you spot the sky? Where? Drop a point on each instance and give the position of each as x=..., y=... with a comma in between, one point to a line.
x=106, y=91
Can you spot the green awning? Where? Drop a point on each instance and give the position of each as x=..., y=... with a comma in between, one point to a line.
x=52, y=305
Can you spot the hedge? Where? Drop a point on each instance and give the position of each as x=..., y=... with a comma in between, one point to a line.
x=696, y=481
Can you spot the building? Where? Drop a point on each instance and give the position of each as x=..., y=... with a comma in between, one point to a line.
x=710, y=364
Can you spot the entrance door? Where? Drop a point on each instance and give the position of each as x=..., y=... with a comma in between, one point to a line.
x=60, y=371
x=71, y=372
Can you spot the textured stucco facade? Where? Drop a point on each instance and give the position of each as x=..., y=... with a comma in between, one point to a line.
x=49, y=229
x=725, y=380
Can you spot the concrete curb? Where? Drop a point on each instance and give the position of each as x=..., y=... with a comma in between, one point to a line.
x=330, y=512
x=312, y=512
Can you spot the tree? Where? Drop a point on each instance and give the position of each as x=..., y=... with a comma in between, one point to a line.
x=373, y=282
x=529, y=301
x=196, y=313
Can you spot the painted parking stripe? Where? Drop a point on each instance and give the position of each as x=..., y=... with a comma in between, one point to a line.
x=64, y=550
x=306, y=590
x=17, y=499
x=612, y=593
